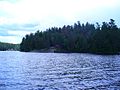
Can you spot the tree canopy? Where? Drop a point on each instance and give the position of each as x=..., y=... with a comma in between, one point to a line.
x=90, y=38
x=8, y=46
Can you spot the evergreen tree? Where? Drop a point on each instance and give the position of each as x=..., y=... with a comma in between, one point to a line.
x=103, y=38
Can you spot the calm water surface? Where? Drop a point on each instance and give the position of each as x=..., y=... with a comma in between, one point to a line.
x=58, y=71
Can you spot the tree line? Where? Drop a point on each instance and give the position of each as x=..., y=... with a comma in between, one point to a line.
x=85, y=38
x=8, y=46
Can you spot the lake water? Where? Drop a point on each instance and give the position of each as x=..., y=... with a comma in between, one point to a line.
x=58, y=71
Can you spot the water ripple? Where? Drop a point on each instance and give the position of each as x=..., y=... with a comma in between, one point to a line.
x=54, y=71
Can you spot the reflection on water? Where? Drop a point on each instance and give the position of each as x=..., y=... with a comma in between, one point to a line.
x=58, y=71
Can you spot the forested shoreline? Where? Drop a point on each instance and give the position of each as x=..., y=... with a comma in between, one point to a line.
x=9, y=46
x=79, y=38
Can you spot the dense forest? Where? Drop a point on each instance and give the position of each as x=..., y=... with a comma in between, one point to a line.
x=81, y=38
x=8, y=46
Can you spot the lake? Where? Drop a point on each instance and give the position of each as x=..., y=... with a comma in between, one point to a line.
x=58, y=71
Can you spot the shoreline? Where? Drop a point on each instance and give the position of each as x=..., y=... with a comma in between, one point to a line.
x=95, y=53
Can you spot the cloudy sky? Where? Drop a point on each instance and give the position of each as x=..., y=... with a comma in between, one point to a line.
x=21, y=17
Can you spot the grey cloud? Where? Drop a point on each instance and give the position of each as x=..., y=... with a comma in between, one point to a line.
x=5, y=33
x=17, y=27
x=30, y=25
x=27, y=27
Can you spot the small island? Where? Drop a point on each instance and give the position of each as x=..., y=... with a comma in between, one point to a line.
x=77, y=38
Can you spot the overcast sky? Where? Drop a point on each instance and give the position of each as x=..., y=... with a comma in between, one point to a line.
x=20, y=17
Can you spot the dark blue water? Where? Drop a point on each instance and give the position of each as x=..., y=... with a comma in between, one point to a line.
x=58, y=71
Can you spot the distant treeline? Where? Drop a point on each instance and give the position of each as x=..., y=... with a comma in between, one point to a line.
x=8, y=46
x=85, y=38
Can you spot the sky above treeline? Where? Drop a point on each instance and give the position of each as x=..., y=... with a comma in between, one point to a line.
x=21, y=17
